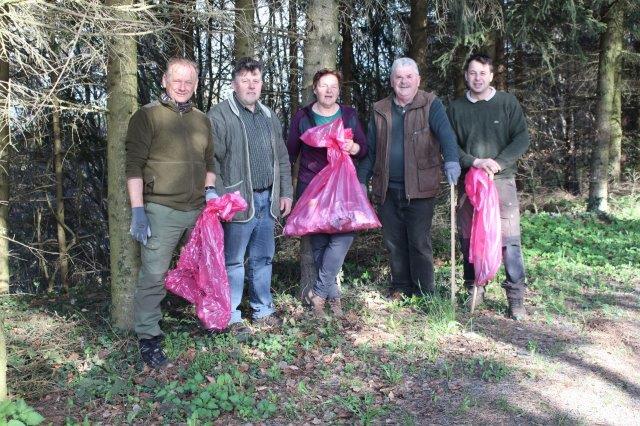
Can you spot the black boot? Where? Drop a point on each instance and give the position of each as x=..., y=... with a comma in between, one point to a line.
x=152, y=353
x=516, y=309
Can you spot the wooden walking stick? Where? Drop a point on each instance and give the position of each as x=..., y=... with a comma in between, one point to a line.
x=452, y=198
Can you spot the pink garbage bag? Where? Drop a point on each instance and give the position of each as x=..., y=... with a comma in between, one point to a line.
x=485, y=250
x=201, y=277
x=334, y=201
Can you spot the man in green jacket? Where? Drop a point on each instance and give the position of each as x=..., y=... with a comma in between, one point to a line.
x=170, y=172
x=492, y=136
x=251, y=157
x=408, y=136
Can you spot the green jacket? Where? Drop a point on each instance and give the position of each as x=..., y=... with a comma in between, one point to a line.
x=232, y=157
x=494, y=128
x=171, y=152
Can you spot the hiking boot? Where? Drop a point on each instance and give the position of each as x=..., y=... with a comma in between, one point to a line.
x=241, y=331
x=336, y=307
x=317, y=303
x=396, y=294
x=516, y=310
x=479, y=297
x=270, y=321
x=151, y=352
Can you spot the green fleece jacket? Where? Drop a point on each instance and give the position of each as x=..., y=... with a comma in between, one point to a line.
x=171, y=152
x=231, y=158
x=495, y=128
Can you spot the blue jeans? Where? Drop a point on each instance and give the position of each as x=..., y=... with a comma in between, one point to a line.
x=255, y=239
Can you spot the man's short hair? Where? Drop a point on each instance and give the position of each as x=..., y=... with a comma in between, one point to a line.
x=246, y=64
x=403, y=62
x=326, y=71
x=479, y=57
x=180, y=60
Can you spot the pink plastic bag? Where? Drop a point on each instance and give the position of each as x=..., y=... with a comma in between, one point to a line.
x=485, y=250
x=334, y=201
x=201, y=277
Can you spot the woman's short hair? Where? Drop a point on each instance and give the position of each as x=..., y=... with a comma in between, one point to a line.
x=326, y=71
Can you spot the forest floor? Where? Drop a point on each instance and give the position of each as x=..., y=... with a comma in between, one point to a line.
x=411, y=362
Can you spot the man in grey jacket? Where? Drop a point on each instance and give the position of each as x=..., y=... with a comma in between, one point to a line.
x=251, y=157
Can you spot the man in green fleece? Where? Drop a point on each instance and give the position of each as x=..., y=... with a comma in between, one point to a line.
x=492, y=136
x=169, y=167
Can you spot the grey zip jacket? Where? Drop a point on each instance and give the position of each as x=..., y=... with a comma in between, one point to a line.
x=231, y=157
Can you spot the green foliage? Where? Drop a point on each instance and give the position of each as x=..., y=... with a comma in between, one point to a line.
x=18, y=413
x=203, y=399
x=488, y=369
x=362, y=406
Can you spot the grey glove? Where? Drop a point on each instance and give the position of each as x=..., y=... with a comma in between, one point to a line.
x=139, y=230
x=452, y=171
x=210, y=193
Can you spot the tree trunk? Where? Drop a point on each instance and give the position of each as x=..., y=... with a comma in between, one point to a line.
x=321, y=45
x=244, y=42
x=121, y=104
x=58, y=157
x=460, y=85
x=4, y=177
x=499, y=62
x=418, y=46
x=610, y=47
x=294, y=72
x=346, y=50
x=615, y=149
x=320, y=51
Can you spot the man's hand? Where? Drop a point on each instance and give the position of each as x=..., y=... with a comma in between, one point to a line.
x=350, y=147
x=489, y=165
x=139, y=230
x=285, y=206
x=452, y=171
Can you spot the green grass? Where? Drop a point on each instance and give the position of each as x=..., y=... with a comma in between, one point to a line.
x=577, y=265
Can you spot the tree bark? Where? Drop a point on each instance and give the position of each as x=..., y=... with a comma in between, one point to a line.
x=610, y=47
x=499, y=62
x=294, y=87
x=346, y=53
x=321, y=45
x=615, y=148
x=58, y=157
x=121, y=104
x=320, y=51
x=4, y=176
x=244, y=43
x=418, y=44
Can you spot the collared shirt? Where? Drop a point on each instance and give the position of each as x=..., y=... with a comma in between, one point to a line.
x=473, y=100
x=258, y=129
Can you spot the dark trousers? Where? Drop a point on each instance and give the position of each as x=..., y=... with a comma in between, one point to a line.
x=329, y=251
x=406, y=231
x=515, y=282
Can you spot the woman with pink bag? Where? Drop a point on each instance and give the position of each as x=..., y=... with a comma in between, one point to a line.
x=329, y=249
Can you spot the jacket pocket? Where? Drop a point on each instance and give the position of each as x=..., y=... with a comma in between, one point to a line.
x=429, y=174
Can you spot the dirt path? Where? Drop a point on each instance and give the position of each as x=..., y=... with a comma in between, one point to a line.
x=501, y=372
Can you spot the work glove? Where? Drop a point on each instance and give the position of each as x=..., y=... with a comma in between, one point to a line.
x=139, y=230
x=452, y=171
x=210, y=193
